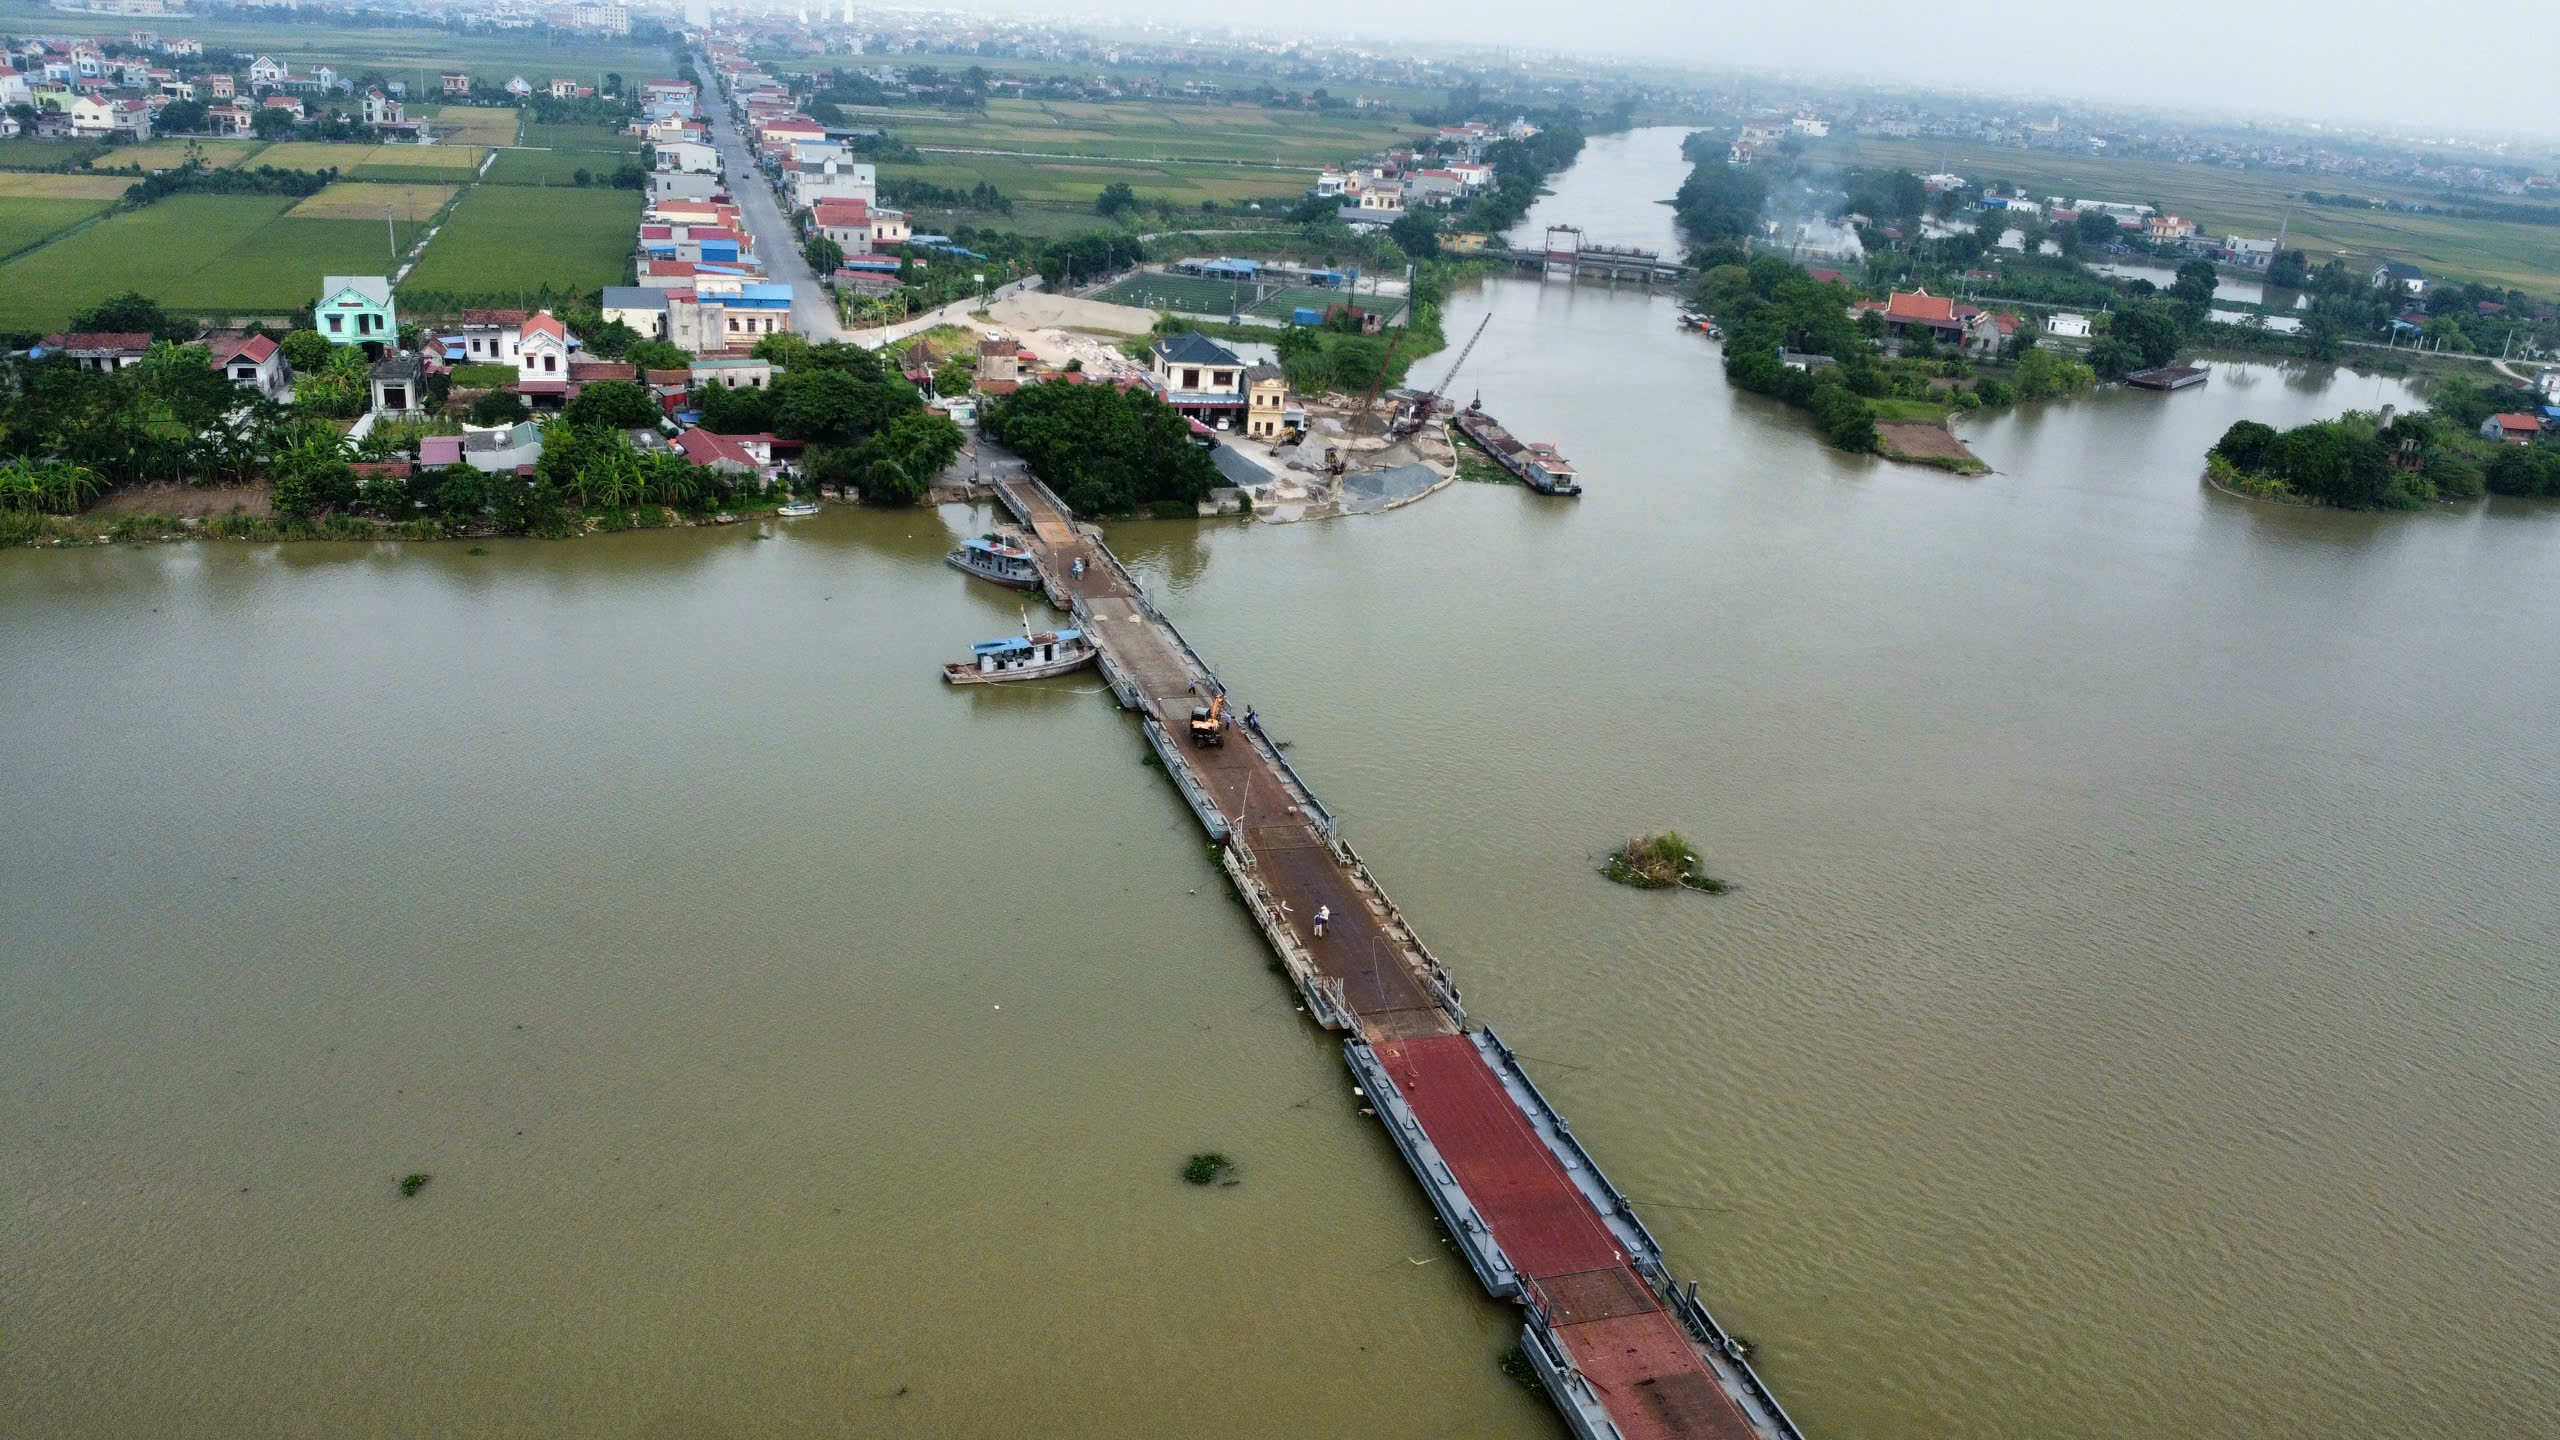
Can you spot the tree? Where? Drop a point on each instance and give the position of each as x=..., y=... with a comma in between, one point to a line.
x=128, y=313
x=305, y=350
x=1416, y=235
x=657, y=355
x=2097, y=227
x=2150, y=329
x=735, y=411
x=2290, y=270
x=180, y=117
x=498, y=407
x=272, y=124
x=1846, y=422
x=2114, y=358
x=614, y=404
x=2195, y=282
x=824, y=255
x=2246, y=444
x=1105, y=451
x=1115, y=197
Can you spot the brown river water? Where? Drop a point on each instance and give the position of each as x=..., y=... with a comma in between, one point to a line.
x=2137, y=1014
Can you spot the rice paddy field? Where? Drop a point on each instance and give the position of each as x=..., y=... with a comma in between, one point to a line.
x=472, y=124
x=1135, y=130
x=503, y=241
x=207, y=256
x=455, y=163
x=24, y=153
x=170, y=154
x=555, y=167
x=26, y=221
x=581, y=137
x=1078, y=182
x=2252, y=202
x=406, y=203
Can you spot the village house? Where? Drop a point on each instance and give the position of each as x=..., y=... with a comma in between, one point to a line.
x=1197, y=376
x=398, y=381
x=284, y=104
x=542, y=357
x=266, y=73
x=691, y=157
x=100, y=350
x=255, y=361
x=731, y=372
x=220, y=85
x=638, y=306
x=489, y=337
x=381, y=109
x=999, y=365
x=357, y=310
x=2408, y=277
x=231, y=119
x=2164, y=229
x=2513, y=428
x=1268, y=415
x=2256, y=254
x=454, y=82
x=747, y=455
x=519, y=87
x=502, y=450
x=1935, y=316
x=2067, y=326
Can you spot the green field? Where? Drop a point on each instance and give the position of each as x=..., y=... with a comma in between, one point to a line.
x=1402, y=96
x=2252, y=202
x=170, y=154
x=554, y=167
x=1078, y=182
x=210, y=256
x=507, y=240
x=1193, y=295
x=580, y=137
x=27, y=154
x=25, y=221
x=1137, y=130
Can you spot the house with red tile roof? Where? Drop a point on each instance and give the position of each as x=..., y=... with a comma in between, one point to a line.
x=1933, y=315
x=750, y=455
x=2513, y=428
x=252, y=360
x=100, y=349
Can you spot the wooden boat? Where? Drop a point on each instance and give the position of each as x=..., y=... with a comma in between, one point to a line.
x=1022, y=657
x=797, y=509
x=994, y=556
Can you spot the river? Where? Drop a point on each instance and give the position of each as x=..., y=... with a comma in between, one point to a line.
x=2137, y=1013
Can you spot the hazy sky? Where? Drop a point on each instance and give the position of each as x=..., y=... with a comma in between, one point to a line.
x=2481, y=64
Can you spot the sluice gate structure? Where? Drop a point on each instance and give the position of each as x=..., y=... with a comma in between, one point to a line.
x=1625, y=1350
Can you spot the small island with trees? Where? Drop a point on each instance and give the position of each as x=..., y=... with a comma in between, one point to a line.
x=2368, y=461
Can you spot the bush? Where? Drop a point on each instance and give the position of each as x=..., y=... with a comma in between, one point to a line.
x=498, y=407
x=2246, y=444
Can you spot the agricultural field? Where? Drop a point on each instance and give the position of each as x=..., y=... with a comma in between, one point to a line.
x=473, y=124
x=31, y=154
x=65, y=187
x=1136, y=130
x=208, y=256
x=509, y=240
x=408, y=204
x=2253, y=202
x=555, y=167
x=1402, y=96
x=454, y=163
x=1078, y=182
x=27, y=220
x=581, y=137
x=170, y=154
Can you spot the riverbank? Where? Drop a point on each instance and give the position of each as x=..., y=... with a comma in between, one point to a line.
x=116, y=521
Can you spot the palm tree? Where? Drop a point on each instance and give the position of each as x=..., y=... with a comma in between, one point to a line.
x=670, y=479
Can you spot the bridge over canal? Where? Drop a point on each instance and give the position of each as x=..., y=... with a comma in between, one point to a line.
x=1624, y=1350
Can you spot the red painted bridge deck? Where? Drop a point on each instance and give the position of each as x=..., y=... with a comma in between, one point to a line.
x=1629, y=1348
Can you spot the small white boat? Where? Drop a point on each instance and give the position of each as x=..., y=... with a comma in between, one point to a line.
x=1022, y=657
x=798, y=508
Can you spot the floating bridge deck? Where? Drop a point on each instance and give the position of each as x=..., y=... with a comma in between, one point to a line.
x=1625, y=1351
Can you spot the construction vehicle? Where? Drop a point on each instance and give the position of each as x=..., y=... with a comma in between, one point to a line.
x=1411, y=416
x=1209, y=722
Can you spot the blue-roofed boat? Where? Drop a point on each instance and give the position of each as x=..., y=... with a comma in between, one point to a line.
x=1022, y=657
x=996, y=557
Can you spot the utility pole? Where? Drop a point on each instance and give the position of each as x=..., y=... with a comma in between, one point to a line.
x=392, y=236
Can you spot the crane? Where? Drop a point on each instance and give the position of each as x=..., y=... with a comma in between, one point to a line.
x=1420, y=410
x=1370, y=399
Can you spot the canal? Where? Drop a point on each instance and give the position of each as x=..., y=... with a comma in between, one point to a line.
x=2135, y=1015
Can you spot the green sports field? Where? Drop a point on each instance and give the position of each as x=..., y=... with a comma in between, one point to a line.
x=507, y=240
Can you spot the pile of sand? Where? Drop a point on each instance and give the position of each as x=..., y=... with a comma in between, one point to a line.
x=1037, y=310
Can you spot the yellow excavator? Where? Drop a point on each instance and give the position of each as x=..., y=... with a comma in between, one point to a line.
x=1209, y=722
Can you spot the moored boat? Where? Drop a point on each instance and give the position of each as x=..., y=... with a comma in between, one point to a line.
x=797, y=509
x=994, y=556
x=1022, y=657
x=1537, y=466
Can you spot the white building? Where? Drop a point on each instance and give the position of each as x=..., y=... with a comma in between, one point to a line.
x=2068, y=326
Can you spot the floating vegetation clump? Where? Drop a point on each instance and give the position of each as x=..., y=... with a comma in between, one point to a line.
x=1515, y=1363
x=1659, y=862
x=1207, y=1168
x=412, y=1184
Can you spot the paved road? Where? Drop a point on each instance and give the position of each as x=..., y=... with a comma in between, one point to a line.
x=813, y=310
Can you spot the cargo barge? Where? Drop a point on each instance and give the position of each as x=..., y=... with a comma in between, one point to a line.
x=1536, y=465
